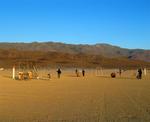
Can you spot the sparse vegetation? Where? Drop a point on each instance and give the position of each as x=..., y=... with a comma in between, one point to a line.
x=54, y=54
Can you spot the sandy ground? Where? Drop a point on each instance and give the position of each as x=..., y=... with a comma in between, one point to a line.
x=75, y=99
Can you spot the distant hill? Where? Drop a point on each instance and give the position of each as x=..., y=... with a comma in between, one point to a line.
x=97, y=49
x=56, y=54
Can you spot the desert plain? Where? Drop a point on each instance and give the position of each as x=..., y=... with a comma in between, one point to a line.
x=75, y=99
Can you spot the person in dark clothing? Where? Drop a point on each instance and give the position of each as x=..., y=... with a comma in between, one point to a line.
x=83, y=72
x=49, y=76
x=139, y=74
x=59, y=72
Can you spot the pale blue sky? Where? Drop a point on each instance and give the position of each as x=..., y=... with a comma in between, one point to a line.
x=125, y=23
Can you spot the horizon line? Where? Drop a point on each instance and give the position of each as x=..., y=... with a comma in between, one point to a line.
x=91, y=44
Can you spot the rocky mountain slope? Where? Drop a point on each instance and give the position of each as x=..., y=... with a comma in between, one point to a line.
x=59, y=54
x=105, y=50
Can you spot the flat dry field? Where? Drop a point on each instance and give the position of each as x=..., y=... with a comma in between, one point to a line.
x=75, y=99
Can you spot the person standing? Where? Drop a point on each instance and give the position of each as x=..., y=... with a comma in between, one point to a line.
x=83, y=72
x=139, y=74
x=58, y=72
x=49, y=75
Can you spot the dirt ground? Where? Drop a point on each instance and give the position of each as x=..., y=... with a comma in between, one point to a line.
x=75, y=99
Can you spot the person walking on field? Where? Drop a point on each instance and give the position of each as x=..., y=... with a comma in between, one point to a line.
x=59, y=72
x=83, y=72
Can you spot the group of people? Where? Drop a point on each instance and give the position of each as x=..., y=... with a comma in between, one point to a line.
x=59, y=73
x=78, y=74
x=138, y=76
x=139, y=72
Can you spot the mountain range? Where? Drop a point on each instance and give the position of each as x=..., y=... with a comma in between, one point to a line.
x=70, y=54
